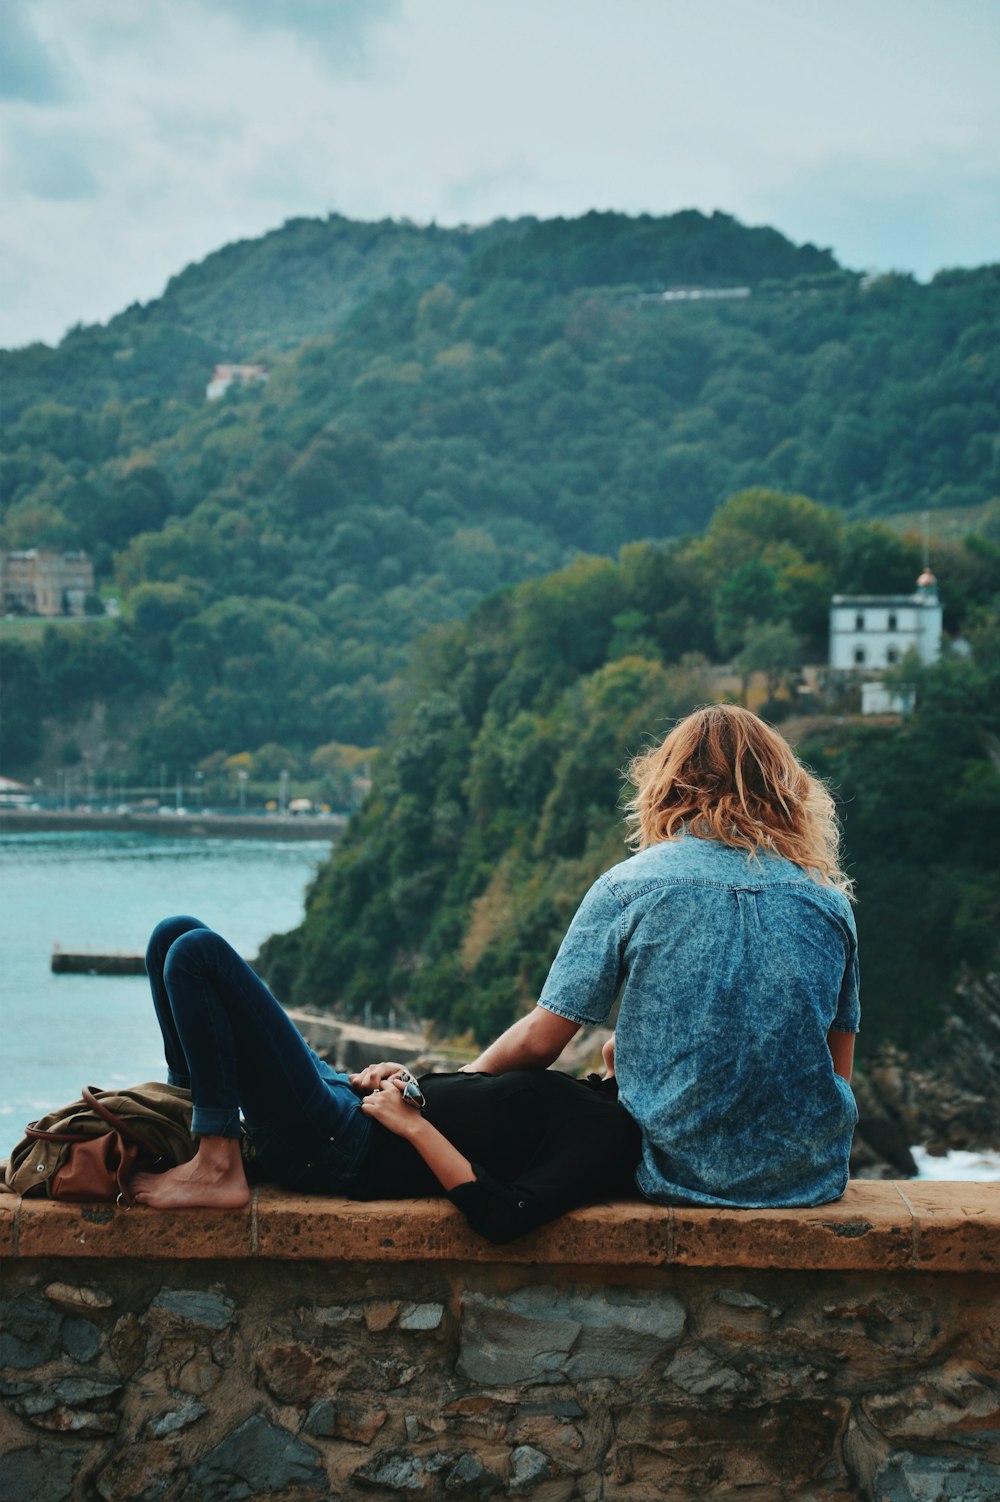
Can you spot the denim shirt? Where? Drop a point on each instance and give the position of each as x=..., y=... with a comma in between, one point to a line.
x=732, y=970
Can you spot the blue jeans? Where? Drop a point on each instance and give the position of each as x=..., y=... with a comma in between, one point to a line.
x=228, y=1040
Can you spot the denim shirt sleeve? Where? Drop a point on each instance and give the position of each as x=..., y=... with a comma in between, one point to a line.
x=587, y=971
x=848, y=1017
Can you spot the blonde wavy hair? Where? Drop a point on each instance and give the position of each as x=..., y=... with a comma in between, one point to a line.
x=723, y=774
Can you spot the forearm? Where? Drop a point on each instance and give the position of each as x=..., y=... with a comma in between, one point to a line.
x=444, y=1160
x=533, y=1042
x=841, y=1046
x=507, y=1052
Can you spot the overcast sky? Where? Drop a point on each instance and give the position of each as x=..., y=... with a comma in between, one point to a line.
x=138, y=135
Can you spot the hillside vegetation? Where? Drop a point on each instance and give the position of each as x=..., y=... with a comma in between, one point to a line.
x=450, y=412
x=495, y=804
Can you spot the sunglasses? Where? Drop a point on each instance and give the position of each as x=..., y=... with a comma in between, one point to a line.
x=412, y=1093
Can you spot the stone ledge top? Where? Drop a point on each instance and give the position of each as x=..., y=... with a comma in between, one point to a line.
x=908, y=1226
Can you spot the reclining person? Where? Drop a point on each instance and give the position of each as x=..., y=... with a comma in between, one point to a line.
x=511, y=1152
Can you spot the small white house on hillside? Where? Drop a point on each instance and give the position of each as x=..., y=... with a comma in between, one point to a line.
x=872, y=632
x=869, y=633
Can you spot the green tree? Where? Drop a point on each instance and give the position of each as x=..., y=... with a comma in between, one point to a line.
x=746, y=598
x=774, y=650
x=874, y=560
x=752, y=523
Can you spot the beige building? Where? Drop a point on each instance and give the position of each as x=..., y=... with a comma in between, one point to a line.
x=225, y=376
x=45, y=581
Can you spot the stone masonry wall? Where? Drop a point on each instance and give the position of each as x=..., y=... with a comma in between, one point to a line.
x=466, y=1370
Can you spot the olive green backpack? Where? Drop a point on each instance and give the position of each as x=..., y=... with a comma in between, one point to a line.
x=90, y=1149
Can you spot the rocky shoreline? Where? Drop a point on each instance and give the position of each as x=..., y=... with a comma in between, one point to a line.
x=945, y=1095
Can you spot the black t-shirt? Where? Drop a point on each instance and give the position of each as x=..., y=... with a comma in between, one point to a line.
x=539, y=1141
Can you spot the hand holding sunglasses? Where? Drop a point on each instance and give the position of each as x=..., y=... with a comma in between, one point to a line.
x=397, y=1102
x=412, y=1093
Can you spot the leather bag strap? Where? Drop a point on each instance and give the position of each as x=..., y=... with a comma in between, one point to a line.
x=32, y=1131
x=90, y=1094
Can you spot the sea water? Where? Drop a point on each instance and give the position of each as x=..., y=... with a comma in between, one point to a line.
x=103, y=892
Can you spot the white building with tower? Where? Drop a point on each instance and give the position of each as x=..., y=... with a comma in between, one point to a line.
x=869, y=633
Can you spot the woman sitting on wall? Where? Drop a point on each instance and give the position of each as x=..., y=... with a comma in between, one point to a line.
x=728, y=944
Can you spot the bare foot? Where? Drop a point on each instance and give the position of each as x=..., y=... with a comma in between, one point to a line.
x=213, y=1179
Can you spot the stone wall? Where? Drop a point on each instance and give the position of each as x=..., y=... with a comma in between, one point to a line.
x=307, y=1349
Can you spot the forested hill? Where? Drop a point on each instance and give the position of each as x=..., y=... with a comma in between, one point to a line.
x=448, y=412
x=253, y=298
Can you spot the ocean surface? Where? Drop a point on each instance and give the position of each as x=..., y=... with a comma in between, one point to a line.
x=104, y=892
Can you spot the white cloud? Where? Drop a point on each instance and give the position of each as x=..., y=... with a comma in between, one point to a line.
x=144, y=136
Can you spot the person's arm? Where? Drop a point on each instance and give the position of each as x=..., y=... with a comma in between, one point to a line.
x=446, y=1163
x=533, y=1042
x=578, y=1158
x=841, y=1046
x=580, y=990
x=841, y=1036
x=608, y=1055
